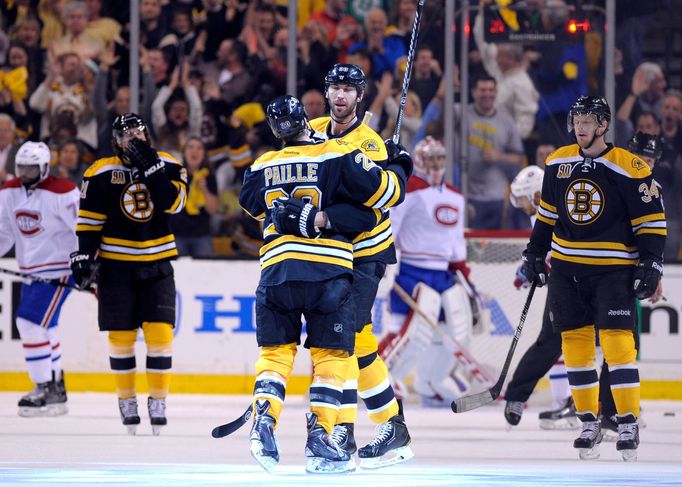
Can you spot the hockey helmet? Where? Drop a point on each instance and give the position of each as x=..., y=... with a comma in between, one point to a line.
x=526, y=183
x=33, y=163
x=590, y=105
x=429, y=148
x=286, y=117
x=346, y=74
x=127, y=124
x=646, y=145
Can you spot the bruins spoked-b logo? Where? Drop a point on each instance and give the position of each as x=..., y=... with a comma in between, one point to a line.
x=584, y=201
x=136, y=202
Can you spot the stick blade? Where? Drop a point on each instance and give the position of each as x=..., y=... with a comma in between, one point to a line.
x=467, y=403
x=228, y=428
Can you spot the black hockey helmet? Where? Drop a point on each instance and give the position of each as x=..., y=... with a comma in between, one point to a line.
x=346, y=74
x=590, y=105
x=647, y=145
x=286, y=117
x=123, y=123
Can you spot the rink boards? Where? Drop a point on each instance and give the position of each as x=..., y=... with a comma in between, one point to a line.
x=215, y=347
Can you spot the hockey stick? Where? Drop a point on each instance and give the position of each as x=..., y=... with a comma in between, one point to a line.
x=228, y=428
x=461, y=353
x=408, y=70
x=54, y=282
x=467, y=403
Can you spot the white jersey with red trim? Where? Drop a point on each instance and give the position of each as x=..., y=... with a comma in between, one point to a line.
x=428, y=226
x=41, y=223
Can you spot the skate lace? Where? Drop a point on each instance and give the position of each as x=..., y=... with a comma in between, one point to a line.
x=157, y=408
x=128, y=407
x=627, y=431
x=384, y=432
x=339, y=435
x=516, y=407
x=590, y=429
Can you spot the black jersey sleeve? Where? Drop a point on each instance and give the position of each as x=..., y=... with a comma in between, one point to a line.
x=250, y=195
x=352, y=218
x=647, y=216
x=546, y=217
x=93, y=212
x=168, y=189
x=364, y=182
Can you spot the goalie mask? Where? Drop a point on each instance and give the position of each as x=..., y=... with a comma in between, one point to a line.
x=33, y=163
x=429, y=160
x=524, y=187
x=127, y=127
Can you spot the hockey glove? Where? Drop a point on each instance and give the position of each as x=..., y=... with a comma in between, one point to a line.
x=143, y=157
x=397, y=154
x=646, y=277
x=520, y=280
x=83, y=268
x=535, y=268
x=295, y=217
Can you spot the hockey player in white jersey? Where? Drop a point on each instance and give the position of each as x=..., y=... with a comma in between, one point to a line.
x=429, y=232
x=38, y=216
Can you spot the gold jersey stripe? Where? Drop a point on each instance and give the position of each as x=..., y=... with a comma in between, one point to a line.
x=91, y=214
x=545, y=220
x=138, y=258
x=654, y=231
x=396, y=193
x=592, y=261
x=308, y=258
x=374, y=250
x=547, y=206
x=593, y=245
x=137, y=244
x=317, y=242
x=379, y=192
x=179, y=202
x=373, y=232
x=81, y=227
x=647, y=218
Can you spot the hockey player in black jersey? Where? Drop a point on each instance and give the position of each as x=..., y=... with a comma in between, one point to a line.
x=307, y=273
x=602, y=217
x=125, y=244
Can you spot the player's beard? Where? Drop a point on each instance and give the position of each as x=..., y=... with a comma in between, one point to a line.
x=346, y=115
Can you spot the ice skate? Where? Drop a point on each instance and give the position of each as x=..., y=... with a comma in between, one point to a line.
x=129, y=417
x=324, y=454
x=513, y=411
x=344, y=435
x=391, y=445
x=609, y=428
x=562, y=418
x=56, y=402
x=628, y=437
x=590, y=438
x=157, y=414
x=35, y=402
x=264, y=444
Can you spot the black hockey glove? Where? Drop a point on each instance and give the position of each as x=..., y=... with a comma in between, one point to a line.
x=144, y=158
x=397, y=154
x=295, y=217
x=83, y=268
x=535, y=268
x=646, y=277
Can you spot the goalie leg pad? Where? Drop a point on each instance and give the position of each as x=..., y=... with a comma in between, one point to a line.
x=459, y=316
x=433, y=380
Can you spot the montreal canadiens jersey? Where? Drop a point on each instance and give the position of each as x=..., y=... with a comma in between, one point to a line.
x=598, y=214
x=119, y=217
x=320, y=173
x=377, y=244
x=428, y=226
x=41, y=223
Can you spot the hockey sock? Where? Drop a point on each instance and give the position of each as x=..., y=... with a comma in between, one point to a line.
x=159, y=339
x=329, y=372
x=578, y=347
x=37, y=350
x=348, y=412
x=273, y=369
x=374, y=386
x=620, y=354
x=558, y=383
x=122, y=361
x=56, y=352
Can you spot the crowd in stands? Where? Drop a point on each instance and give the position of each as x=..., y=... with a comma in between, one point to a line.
x=209, y=67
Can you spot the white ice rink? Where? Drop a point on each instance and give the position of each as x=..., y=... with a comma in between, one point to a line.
x=89, y=447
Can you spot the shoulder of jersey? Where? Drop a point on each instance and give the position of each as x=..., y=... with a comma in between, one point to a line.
x=320, y=124
x=57, y=185
x=415, y=183
x=567, y=153
x=166, y=157
x=369, y=142
x=103, y=165
x=625, y=163
x=11, y=183
x=320, y=152
x=453, y=188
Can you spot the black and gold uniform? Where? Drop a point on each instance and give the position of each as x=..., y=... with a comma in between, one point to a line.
x=123, y=226
x=600, y=217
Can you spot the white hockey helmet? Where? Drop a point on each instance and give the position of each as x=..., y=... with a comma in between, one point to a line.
x=526, y=183
x=33, y=163
x=426, y=149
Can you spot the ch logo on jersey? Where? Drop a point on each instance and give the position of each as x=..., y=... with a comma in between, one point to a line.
x=136, y=202
x=447, y=215
x=584, y=201
x=28, y=222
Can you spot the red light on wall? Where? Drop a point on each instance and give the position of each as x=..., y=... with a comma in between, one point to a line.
x=496, y=27
x=574, y=26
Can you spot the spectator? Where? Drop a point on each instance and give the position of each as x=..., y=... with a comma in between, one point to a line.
x=360, y=10
x=647, y=122
x=14, y=82
x=646, y=94
x=50, y=14
x=403, y=21
x=236, y=84
x=76, y=38
x=314, y=104
x=70, y=164
x=177, y=115
x=315, y=56
x=105, y=29
x=342, y=29
x=64, y=91
x=411, y=117
x=27, y=33
x=181, y=39
x=8, y=147
x=192, y=225
x=385, y=50
x=516, y=92
x=224, y=20
x=153, y=24
x=259, y=33
x=158, y=66
x=426, y=75
x=542, y=151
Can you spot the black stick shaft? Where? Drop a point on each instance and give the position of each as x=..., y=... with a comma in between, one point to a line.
x=54, y=282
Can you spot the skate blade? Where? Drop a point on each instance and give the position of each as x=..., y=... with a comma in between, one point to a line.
x=589, y=453
x=32, y=412
x=629, y=455
x=268, y=463
x=393, y=457
x=131, y=428
x=58, y=409
x=319, y=465
x=560, y=424
x=156, y=429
